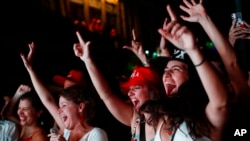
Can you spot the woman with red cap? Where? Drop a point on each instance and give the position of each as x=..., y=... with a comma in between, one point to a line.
x=197, y=102
x=143, y=85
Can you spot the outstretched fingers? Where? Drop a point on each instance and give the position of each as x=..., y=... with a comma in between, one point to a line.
x=233, y=24
x=171, y=13
x=31, y=51
x=81, y=41
x=133, y=34
x=188, y=4
x=246, y=24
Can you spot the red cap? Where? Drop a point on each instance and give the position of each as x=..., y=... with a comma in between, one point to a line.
x=142, y=76
x=75, y=76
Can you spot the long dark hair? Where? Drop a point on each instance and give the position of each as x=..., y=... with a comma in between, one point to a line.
x=161, y=107
x=193, y=99
x=187, y=105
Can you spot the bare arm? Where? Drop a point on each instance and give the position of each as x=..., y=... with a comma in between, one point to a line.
x=198, y=14
x=120, y=109
x=217, y=108
x=44, y=94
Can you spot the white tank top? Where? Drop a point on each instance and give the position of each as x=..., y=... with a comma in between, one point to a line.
x=180, y=134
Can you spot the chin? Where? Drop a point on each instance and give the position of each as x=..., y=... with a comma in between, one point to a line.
x=172, y=94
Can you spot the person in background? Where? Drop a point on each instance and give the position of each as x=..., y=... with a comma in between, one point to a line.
x=6, y=99
x=239, y=38
x=238, y=32
x=30, y=110
x=74, y=77
x=74, y=112
x=8, y=130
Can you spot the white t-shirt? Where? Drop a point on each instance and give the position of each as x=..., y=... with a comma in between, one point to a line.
x=96, y=134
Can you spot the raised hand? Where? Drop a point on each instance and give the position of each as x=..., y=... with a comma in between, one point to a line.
x=28, y=60
x=235, y=33
x=22, y=89
x=246, y=30
x=164, y=51
x=177, y=34
x=196, y=11
x=81, y=49
x=136, y=48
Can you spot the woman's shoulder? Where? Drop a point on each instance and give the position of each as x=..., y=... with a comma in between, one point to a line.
x=97, y=130
x=40, y=135
x=182, y=133
x=98, y=133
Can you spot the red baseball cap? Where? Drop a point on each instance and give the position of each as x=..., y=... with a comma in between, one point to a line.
x=75, y=76
x=142, y=76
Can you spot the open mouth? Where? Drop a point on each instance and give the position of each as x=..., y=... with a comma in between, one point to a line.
x=169, y=88
x=22, y=118
x=135, y=102
x=64, y=118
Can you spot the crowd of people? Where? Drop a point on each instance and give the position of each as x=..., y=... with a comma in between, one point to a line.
x=181, y=95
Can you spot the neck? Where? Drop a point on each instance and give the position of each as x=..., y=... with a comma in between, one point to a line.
x=79, y=131
x=28, y=130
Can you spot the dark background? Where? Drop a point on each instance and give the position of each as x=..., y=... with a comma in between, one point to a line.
x=26, y=21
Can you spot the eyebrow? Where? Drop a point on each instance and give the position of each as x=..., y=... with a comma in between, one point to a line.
x=174, y=66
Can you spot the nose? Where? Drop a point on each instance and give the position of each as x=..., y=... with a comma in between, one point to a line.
x=59, y=110
x=130, y=92
x=167, y=74
x=19, y=111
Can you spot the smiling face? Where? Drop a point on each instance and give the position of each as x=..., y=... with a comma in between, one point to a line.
x=27, y=113
x=175, y=74
x=138, y=94
x=70, y=113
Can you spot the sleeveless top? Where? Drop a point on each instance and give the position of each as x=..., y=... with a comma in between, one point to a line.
x=180, y=134
x=31, y=136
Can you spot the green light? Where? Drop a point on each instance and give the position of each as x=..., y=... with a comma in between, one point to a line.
x=209, y=44
x=154, y=55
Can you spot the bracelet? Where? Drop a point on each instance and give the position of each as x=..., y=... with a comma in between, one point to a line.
x=202, y=61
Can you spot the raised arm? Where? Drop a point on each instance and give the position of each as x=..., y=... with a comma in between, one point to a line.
x=217, y=107
x=198, y=14
x=137, y=49
x=120, y=109
x=44, y=94
x=22, y=89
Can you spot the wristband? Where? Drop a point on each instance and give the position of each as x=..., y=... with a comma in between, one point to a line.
x=202, y=61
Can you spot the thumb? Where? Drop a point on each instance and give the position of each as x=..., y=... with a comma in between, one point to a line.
x=185, y=18
x=127, y=47
x=23, y=57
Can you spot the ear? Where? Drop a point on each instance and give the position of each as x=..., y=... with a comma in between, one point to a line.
x=81, y=107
